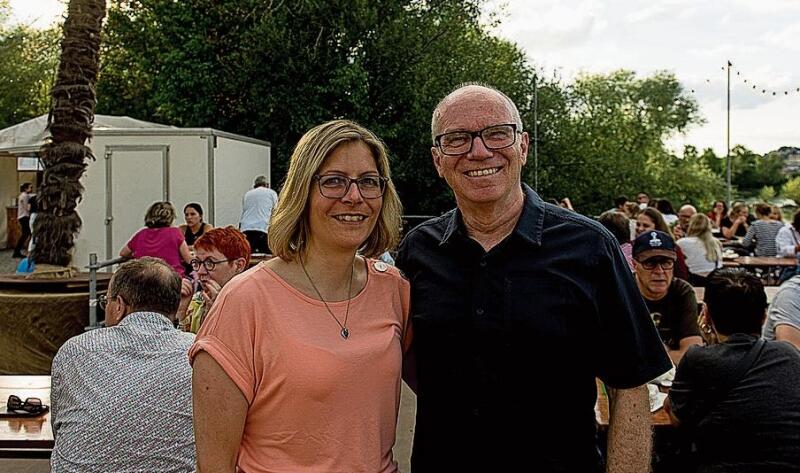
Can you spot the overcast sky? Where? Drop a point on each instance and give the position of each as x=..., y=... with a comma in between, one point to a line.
x=691, y=38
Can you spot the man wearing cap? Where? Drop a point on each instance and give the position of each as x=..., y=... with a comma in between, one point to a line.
x=671, y=301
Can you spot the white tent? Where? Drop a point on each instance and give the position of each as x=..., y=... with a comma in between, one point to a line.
x=137, y=164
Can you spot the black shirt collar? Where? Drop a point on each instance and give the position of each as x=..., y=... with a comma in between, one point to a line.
x=528, y=228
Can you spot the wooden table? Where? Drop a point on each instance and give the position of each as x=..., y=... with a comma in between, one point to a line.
x=21, y=435
x=764, y=261
x=659, y=418
x=699, y=293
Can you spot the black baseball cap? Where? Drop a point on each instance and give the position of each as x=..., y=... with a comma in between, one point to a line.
x=654, y=243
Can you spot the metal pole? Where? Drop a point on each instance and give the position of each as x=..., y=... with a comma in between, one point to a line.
x=728, y=156
x=535, y=135
x=92, y=291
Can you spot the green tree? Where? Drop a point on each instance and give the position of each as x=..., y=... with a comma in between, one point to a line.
x=274, y=70
x=604, y=135
x=28, y=59
x=791, y=189
x=751, y=171
x=767, y=193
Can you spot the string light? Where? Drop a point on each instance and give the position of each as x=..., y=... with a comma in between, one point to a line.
x=755, y=87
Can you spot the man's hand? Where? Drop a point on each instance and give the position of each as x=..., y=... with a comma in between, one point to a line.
x=629, y=431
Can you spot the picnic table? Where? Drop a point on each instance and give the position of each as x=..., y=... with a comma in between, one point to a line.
x=25, y=436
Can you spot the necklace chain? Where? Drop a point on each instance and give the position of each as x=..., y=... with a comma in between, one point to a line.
x=345, y=333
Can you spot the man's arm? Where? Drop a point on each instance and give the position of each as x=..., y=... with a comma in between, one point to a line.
x=788, y=333
x=683, y=345
x=629, y=431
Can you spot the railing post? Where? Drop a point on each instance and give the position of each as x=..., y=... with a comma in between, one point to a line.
x=92, y=292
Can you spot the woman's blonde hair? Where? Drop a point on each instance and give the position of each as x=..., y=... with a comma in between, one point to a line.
x=700, y=227
x=160, y=214
x=289, y=226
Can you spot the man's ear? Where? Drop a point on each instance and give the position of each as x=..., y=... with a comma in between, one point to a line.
x=437, y=157
x=524, y=145
x=240, y=265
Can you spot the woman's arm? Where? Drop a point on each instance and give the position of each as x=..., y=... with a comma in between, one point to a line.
x=186, y=255
x=220, y=410
x=126, y=252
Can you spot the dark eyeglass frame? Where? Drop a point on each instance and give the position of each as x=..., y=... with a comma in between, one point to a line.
x=326, y=192
x=32, y=405
x=207, y=263
x=472, y=134
x=665, y=264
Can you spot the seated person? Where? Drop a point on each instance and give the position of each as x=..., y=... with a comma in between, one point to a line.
x=670, y=300
x=739, y=399
x=122, y=395
x=762, y=233
x=737, y=222
x=219, y=255
x=685, y=213
x=783, y=317
x=618, y=224
x=703, y=251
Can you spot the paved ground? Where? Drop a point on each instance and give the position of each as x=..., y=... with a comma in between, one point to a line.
x=7, y=263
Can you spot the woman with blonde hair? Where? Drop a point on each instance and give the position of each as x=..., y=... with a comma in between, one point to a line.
x=703, y=251
x=297, y=365
x=159, y=238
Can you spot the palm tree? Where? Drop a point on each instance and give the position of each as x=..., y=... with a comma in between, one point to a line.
x=70, y=125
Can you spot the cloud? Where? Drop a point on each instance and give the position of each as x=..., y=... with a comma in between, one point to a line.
x=786, y=38
x=645, y=14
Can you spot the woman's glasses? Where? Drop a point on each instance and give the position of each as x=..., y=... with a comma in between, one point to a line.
x=31, y=405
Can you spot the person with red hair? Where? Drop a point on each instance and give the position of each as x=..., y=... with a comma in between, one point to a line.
x=219, y=255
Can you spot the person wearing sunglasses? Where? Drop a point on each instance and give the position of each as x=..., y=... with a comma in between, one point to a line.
x=121, y=395
x=306, y=349
x=219, y=255
x=654, y=260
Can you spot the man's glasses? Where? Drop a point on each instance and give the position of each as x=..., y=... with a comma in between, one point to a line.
x=650, y=264
x=32, y=405
x=102, y=301
x=493, y=137
x=207, y=263
x=335, y=186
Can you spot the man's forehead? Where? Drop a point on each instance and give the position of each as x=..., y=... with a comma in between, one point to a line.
x=473, y=107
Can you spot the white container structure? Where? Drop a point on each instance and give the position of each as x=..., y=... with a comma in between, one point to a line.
x=137, y=164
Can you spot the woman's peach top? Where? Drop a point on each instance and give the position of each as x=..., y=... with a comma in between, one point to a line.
x=317, y=402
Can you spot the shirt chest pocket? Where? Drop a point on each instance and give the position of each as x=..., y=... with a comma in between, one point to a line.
x=544, y=310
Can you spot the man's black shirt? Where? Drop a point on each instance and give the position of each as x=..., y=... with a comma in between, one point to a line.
x=508, y=342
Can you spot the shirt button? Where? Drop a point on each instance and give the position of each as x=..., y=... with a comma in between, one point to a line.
x=483, y=264
x=479, y=311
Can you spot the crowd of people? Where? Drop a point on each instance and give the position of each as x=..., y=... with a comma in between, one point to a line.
x=510, y=309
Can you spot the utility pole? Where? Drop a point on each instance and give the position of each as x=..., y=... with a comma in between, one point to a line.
x=535, y=134
x=728, y=156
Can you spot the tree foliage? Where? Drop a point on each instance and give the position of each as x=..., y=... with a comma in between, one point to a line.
x=604, y=135
x=28, y=59
x=274, y=70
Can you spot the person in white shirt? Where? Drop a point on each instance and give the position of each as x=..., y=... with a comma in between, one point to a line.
x=788, y=238
x=257, y=205
x=703, y=252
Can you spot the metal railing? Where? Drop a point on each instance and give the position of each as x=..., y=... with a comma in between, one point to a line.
x=93, y=267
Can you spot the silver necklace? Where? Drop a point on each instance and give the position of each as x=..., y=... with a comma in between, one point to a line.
x=345, y=333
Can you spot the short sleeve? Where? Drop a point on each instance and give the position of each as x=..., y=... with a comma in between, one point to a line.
x=785, y=308
x=228, y=335
x=631, y=352
x=133, y=242
x=687, y=306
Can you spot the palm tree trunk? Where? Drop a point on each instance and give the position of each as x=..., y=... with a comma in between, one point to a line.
x=70, y=125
